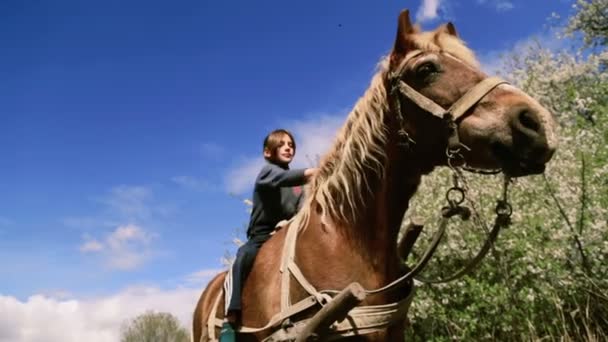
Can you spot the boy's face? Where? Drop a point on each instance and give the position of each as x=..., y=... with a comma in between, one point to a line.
x=284, y=153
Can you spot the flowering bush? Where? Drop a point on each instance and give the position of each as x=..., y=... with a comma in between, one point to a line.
x=547, y=275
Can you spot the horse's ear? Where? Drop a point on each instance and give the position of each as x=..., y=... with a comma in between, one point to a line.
x=449, y=28
x=404, y=28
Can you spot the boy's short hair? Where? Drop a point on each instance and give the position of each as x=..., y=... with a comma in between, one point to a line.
x=273, y=141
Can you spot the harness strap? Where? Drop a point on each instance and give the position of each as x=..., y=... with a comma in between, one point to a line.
x=212, y=322
x=367, y=319
x=274, y=321
x=289, y=249
x=297, y=273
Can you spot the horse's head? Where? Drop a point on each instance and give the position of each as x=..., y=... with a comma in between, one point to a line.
x=499, y=125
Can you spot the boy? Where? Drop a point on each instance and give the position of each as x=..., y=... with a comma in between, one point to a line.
x=274, y=199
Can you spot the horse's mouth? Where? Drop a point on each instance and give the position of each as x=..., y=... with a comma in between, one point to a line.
x=514, y=165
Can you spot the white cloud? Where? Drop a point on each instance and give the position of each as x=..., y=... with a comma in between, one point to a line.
x=191, y=183
x=313, y=138
x=131, y=201
x=502, y=6
x=122, y=204
x=43, y=318
x=241, y=177
x=200, y=278
x=428, y=10
x=86, y=223
x=499, y=5
x=126, y=248
x=91, y=246
x=211, y=150
x=492, y=61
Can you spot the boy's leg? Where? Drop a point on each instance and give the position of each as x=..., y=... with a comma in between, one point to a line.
x=242, y=265
x=241, y=268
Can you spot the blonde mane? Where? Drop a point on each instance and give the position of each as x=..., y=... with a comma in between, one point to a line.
x=359, y=146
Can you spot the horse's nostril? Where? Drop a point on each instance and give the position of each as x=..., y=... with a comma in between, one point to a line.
x=529, y=120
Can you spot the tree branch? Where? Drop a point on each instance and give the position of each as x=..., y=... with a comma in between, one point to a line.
x=562, y=212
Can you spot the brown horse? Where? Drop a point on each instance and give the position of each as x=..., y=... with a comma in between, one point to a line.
x=355, y=207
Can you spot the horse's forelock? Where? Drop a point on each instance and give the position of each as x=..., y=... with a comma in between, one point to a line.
x=457, y=48
x=439, y=41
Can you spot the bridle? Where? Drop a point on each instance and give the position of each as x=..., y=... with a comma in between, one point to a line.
x=451, y=116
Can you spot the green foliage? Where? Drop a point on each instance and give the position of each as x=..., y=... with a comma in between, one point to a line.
x=154, y=327
x=547, y=275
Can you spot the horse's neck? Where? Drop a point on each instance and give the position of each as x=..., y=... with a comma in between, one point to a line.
x=364, y=249
x=374, y=231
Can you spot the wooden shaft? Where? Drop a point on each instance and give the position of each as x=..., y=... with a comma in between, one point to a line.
x=412, y=231
x=336, y=310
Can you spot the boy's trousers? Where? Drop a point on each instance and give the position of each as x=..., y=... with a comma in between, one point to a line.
x=243, y=265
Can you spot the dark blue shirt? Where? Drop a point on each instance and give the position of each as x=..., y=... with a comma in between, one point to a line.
x=274, y=198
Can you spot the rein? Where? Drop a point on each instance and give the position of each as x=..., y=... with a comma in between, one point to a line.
x=503, y=211
x=455, y=196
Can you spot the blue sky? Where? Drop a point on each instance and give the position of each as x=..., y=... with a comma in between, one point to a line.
x=126, y=125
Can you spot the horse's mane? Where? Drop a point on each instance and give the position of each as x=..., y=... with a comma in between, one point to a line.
x=359, y=146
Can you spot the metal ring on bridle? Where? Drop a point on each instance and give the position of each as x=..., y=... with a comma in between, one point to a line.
x=454, y=157
x=455, y=195
x=503, y=208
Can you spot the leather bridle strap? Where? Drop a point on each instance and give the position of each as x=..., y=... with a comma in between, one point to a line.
x=460, y=107
x=452, y=114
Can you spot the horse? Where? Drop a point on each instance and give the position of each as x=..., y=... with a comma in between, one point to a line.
x=398, y=131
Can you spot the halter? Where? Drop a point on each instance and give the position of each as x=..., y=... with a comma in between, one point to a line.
x=451, y=116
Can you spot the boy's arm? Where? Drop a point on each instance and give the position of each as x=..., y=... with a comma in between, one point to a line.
x=274, y=176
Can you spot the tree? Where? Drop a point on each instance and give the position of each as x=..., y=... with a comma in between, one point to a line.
x=590, y=19
x=154, y=327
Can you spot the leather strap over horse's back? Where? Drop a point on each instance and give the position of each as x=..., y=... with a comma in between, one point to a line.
x=289, y=251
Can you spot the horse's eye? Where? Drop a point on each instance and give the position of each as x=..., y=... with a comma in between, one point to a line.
x=426, y=69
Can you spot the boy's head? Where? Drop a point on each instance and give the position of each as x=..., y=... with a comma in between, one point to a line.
x=279, y=147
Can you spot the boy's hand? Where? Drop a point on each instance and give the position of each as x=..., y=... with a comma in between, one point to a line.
x=309, y=173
